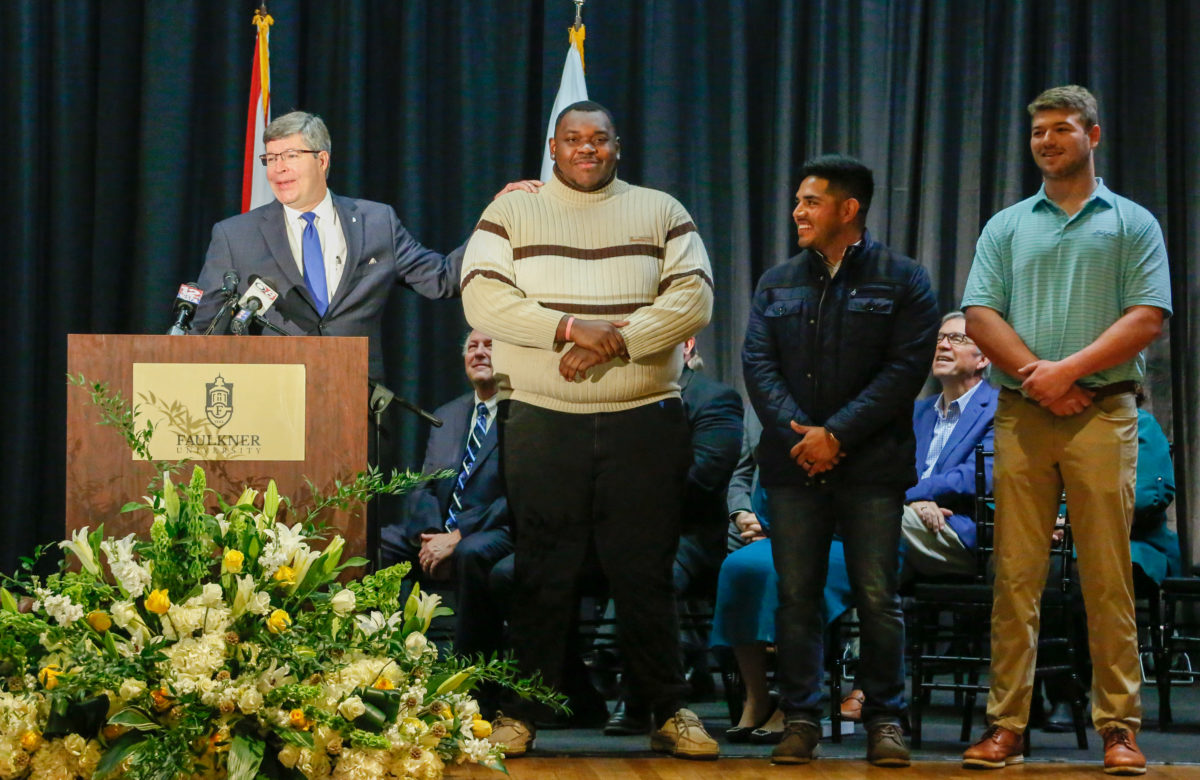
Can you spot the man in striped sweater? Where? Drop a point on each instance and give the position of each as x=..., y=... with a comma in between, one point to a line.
x=588, y=288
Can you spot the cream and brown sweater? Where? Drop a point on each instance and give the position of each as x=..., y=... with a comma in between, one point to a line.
x=619, y=253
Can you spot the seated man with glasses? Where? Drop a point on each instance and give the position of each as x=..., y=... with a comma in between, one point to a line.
x=333, y=260
x=939, y=511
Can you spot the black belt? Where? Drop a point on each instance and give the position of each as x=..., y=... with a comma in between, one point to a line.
x=1116, y=388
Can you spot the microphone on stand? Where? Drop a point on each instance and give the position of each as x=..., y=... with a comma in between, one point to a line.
x=229, y=284
x=254, y=303
x=186, y=300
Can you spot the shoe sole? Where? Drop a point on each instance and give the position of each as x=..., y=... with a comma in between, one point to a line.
x=890, y=762
x=980, y=763
x=792, y=759
x=662, y=746
x=1124, y=770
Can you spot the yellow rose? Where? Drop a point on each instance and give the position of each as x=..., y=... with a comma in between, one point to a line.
x=31, y=741
x=285, y=575
x=480, y=728
x=298, y=721
x=99, y=621
x=384, y=684
x=162, y=699
x=232, y=562
x=48, y=676
x=158, y=602
x=278, y=622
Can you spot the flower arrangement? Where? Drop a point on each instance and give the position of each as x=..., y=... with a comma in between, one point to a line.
x=224, y=645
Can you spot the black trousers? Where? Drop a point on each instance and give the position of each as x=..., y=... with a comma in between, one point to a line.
x=615, y=481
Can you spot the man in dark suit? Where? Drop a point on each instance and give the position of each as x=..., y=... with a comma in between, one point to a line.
x=333, y=260
x=458, y=528
x=938, y=523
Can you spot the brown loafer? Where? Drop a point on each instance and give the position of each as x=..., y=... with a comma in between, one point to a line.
x=1121, y=753
x=852, y=706
x=996, y=749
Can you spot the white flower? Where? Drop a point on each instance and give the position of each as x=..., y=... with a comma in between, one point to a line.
x=351, y=708
x=78, y=544
x=211, y=596
x=414, y=645
x=476, y=749
x=343, y=602
x=426, y=603
x=61, y=608
x=131, y=688
x=126, y=616
x=250, y=702
x=247, y=599
x=74, y=744
x=282, y=548
x=302, y=561
x=372, y=623
x=131, y=576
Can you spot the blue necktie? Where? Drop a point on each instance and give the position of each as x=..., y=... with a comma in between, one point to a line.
x=314, y=263
x=473, y=442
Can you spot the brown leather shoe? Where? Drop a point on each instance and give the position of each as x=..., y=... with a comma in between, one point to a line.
x=996, y=749
x=1121, y=754
x=514, y=736
x=852, y=706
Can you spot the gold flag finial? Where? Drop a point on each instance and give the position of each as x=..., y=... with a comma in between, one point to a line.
x=578, y=32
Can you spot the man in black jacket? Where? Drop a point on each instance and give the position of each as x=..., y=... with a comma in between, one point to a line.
x=838, y=345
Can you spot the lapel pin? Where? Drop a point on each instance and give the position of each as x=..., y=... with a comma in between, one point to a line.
x=371, y=261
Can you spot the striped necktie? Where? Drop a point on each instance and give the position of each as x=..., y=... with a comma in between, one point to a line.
x=468, y=463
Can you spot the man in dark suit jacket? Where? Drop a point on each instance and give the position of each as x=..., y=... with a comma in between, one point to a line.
x=939, y=511
x=458, y=528
x=361, y=249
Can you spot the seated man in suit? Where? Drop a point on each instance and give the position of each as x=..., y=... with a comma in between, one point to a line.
x=333, y=260
x=939, y=511
x=458, y=528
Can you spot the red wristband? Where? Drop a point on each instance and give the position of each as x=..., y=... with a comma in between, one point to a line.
x=567, y=332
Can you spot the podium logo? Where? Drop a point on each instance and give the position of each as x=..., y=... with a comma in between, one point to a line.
x=218, y=405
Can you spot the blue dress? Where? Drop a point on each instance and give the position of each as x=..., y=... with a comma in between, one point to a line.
x=747, y=589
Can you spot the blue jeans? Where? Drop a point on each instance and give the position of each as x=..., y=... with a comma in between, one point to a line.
x=803, y=520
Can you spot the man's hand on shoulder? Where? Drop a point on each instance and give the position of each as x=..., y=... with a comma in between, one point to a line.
x=576, y=362
x=525, y=185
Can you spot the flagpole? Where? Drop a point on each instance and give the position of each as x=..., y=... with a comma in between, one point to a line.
x=573, y=86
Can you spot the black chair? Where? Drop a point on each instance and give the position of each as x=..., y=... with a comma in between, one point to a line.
x=1177, y=633
x=950, y=626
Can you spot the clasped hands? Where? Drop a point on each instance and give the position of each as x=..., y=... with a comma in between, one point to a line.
x=436, y=549
x=1053, y=386
x=593, y=342
x=817, y=452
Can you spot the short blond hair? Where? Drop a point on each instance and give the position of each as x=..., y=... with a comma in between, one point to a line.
x=1070, y=97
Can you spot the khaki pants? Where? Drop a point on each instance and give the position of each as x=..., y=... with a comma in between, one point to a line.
x=1094, y=455
x=933, y=553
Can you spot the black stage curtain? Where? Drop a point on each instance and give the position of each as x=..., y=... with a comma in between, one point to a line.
x=124, y=123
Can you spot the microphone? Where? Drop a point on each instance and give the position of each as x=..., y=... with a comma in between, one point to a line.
x=229, y=284
x=254, y=303
x=186, y=300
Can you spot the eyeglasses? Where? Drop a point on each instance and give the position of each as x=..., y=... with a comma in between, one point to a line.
x=954, y=339
x=289, y=156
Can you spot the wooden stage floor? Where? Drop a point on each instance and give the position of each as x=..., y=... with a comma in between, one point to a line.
x=609, y=768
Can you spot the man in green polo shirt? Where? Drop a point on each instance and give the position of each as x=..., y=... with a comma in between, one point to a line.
x=1066, y=290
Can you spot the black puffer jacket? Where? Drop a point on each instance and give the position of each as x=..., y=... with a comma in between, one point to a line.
x=849, y=353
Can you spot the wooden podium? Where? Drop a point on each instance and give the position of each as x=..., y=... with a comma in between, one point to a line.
x=102, y=475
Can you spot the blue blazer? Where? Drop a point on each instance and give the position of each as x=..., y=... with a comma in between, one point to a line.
x=952, y=483
x=380, y=254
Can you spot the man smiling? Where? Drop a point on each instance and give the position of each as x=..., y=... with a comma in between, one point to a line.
x=1067, y=288
x=837, y=347
x=588, y=289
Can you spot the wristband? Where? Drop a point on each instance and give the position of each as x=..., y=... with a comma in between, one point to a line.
x=829, y=435
x=567, y=332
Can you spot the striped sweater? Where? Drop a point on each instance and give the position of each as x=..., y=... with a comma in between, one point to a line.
x=619, y=253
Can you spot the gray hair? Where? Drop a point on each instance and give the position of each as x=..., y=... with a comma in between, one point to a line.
x=953, y=315
x=1070, y=97
x=310, y=127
